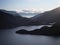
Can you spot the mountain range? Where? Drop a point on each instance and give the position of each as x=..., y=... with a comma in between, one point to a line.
x=11, y=19
x=48, y=16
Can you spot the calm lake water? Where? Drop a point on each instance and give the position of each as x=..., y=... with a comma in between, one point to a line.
x=9, y=37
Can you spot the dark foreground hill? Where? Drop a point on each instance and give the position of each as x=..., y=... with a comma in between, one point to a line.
x=49, y=31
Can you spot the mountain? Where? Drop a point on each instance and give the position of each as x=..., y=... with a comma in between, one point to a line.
x=8, y=20
x=14, y=13
x=48, y=16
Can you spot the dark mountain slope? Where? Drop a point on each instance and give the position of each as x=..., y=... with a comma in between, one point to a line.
x=48, y=16
x=9, y=21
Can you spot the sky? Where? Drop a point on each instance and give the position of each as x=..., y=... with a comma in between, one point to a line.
x=34, y=5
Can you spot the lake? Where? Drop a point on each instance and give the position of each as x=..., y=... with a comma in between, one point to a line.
x=9, y=37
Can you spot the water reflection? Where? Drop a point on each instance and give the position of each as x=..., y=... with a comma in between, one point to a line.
x=56, y=41
x=9, y=37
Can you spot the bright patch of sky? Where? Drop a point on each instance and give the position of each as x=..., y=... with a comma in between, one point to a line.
x=34, y=5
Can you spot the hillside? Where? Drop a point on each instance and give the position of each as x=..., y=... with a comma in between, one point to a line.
x=48, y=16
x=8, y=20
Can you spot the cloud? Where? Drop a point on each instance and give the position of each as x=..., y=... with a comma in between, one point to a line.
x=30, y=11
x=27, y=10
